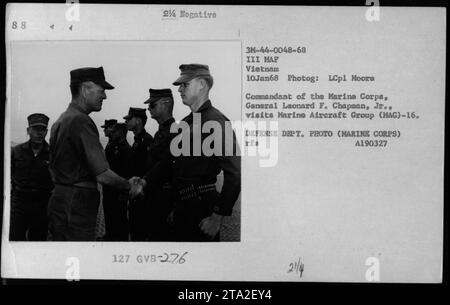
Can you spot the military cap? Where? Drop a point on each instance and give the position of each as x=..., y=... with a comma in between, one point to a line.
x=120, y=126
x=95, y=75
x=136, y=112
x=37, y=119
x=191, y=71
x=156, y=94
x=109, y=123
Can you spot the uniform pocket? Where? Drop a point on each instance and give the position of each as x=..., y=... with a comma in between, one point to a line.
x=84, y=208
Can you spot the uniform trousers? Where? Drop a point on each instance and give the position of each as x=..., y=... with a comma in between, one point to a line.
x=189, y=213
x=29, y=216
x=73, y=213
x=115, y=206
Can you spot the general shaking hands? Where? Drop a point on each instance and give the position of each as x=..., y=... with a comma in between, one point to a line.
x=136, y=187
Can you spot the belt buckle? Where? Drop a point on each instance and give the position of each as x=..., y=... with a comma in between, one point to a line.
x=188, y=192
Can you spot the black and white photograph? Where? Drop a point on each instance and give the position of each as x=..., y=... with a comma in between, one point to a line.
x=224, y=143
x=95, y=119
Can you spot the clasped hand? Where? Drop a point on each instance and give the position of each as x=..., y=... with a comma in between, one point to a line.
x=136, y=187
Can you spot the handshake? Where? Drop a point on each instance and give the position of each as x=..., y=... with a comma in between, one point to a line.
x=137, y=186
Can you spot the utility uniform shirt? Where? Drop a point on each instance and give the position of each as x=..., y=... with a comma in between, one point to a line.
x=76, y=154
x=203, y=169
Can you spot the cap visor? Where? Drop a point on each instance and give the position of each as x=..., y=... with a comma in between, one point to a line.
x=182, y=79
x=127, y=117
x=152, y=100
x=106, y=85
x=38, y=124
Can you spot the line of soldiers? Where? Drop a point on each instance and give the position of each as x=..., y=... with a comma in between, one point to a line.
x=149, y=193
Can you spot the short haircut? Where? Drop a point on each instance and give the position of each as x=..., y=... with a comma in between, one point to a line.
x=75, y=89
x=208, y=79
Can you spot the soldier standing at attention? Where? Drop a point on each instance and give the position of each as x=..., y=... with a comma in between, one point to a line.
x=115, y=203
x=31, y=183
x=78, y=161
x=136, y=120
x=157, y=180
x=199, y=209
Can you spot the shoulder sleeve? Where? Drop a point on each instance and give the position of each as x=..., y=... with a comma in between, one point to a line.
x=230, y=163
x=231, y=167
x=89, y=145
x=160, y=170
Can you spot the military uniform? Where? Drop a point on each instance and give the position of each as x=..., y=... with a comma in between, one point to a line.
x=76, y=158
x=115, y=204
x=195, y=176
x=159, y=191
x=31, y=187
x=139, y=153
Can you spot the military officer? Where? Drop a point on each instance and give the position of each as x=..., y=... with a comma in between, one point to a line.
x=159, y=190
x=115, y=204
x=199, y=208
x=136, y=120
x=31, y=183
x=78, y=161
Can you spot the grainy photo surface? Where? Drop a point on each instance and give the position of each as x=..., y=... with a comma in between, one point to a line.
x=68, y=173
x=224, y=143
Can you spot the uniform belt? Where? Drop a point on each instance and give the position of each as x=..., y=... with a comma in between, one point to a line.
x=86, y=184
x=83, y=184
x=193, y=191
x=28, y=190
